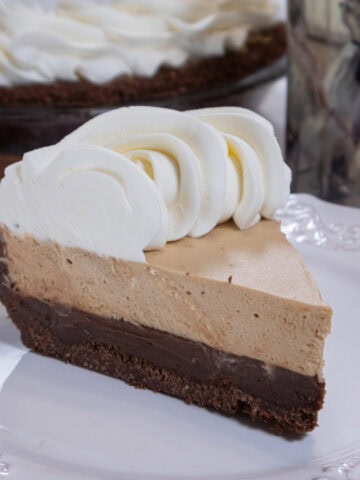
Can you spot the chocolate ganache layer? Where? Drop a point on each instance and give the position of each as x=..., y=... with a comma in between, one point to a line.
x=193, y=371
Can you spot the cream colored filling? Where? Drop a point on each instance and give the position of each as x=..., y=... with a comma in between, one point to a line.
x=247, y=293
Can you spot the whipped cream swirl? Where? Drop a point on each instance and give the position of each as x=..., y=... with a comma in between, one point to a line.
x=99, y=41
x=132, y=179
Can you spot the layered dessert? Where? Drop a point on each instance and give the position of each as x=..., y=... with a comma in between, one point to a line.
x=86, y=52
x=142, y=246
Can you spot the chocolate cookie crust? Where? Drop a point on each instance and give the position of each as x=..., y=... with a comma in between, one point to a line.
x=262, y=49
x=286, y=400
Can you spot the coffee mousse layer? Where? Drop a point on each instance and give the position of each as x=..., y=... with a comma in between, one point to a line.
x=246, y=293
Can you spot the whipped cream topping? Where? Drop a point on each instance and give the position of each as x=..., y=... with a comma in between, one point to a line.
x=135, y=178
x=99, y=41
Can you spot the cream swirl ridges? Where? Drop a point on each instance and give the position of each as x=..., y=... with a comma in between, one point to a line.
x=198, y=150
x=134, y=178
x=96, y=41
x=177, y=175
x=249, y=135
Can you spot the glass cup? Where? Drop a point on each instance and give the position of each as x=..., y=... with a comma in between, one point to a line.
x=323, y=135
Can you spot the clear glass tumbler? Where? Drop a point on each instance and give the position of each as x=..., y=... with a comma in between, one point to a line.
x=323, y=139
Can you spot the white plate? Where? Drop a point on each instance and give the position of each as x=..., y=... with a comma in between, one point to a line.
x=61, y=422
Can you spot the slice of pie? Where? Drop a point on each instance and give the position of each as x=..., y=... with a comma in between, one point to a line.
x=142, y=247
